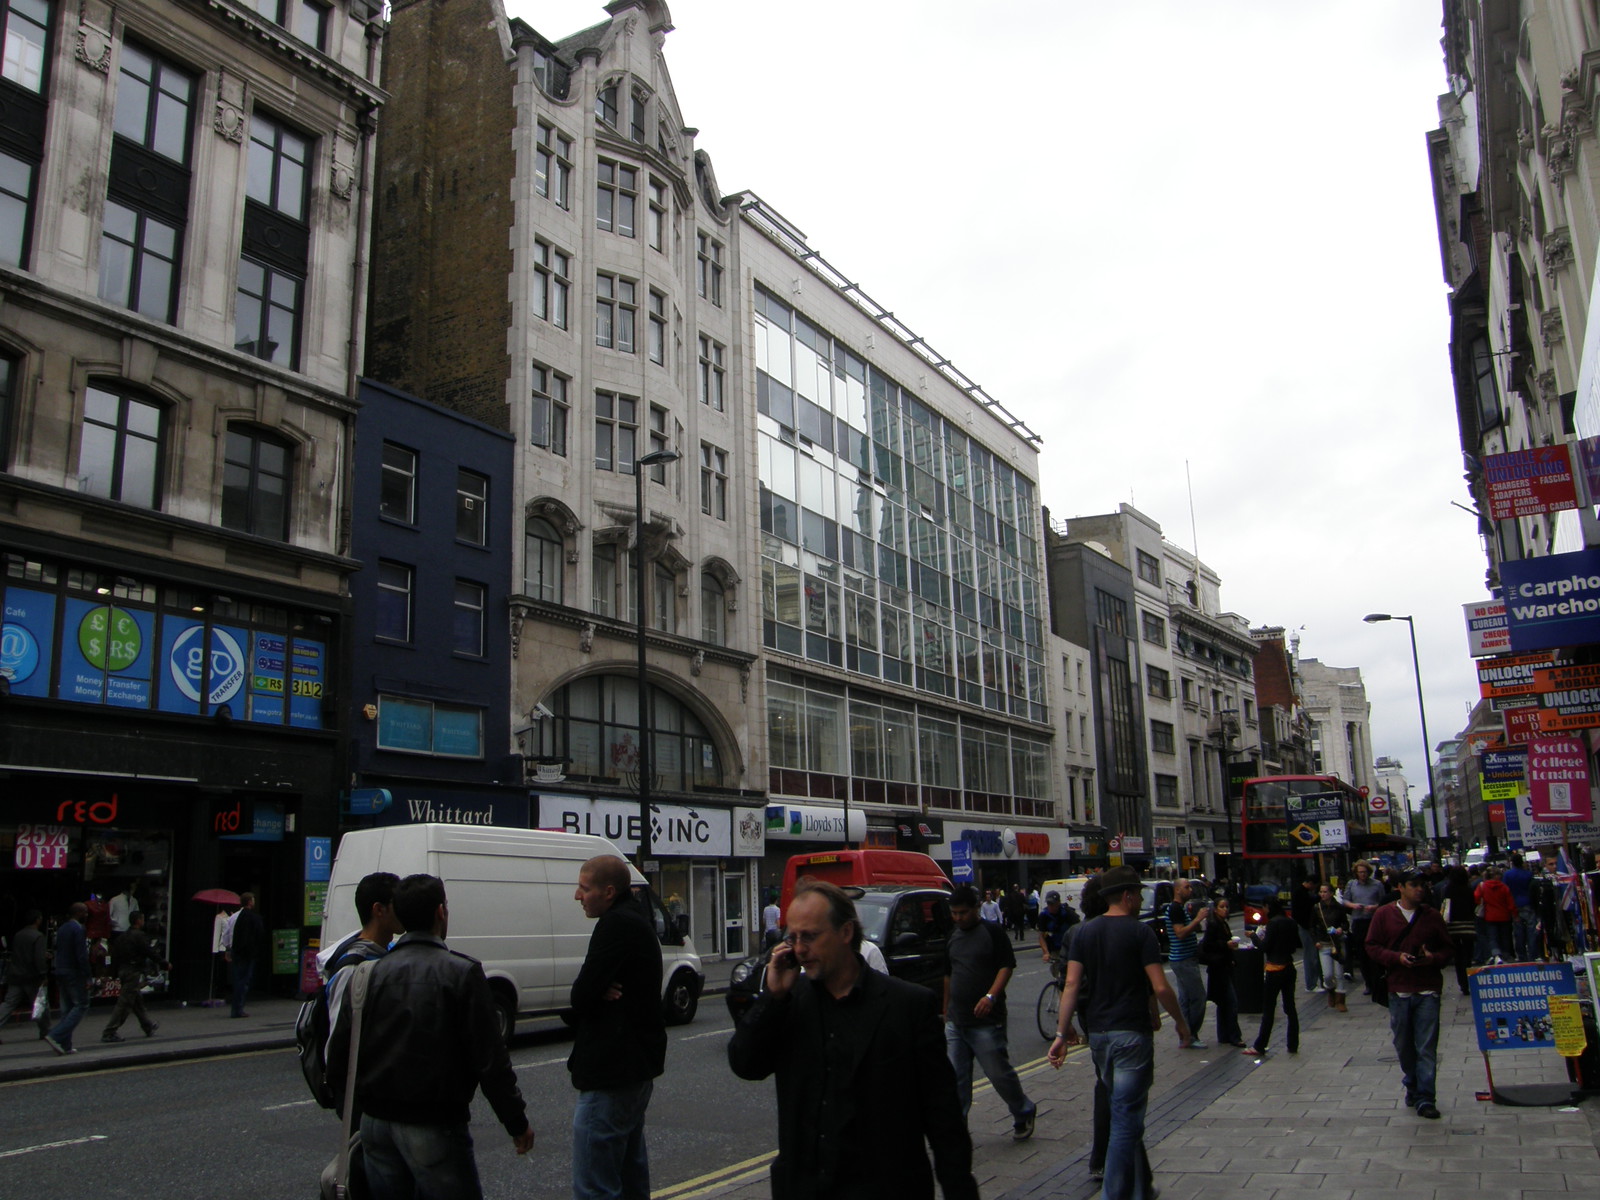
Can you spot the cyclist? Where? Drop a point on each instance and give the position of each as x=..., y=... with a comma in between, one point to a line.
x=1054, y=921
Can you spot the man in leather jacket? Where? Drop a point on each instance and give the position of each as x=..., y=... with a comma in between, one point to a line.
x=429, y=1040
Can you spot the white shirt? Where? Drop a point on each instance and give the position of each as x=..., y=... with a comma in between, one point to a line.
x=769, y=917
x=121, y=907
x=874, y=956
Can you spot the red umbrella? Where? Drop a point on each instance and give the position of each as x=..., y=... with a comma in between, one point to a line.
x=216, y=896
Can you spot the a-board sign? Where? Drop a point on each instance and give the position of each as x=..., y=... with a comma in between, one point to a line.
x=1511, y=1005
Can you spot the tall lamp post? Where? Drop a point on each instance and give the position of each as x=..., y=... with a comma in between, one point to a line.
x=647, y=764
x=1422, y=713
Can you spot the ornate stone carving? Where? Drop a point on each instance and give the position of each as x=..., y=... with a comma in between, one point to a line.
x=572, y=557
x=744, y=684
x=697, y=663
x=586, y=637
x=1557, y=249
x=1545, y=381
x=518, y=615
x=93, y=48
x=1551, y=331
x=229, y=121
x=341, y=180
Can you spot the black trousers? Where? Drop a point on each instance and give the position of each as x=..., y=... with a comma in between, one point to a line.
x=1279, y=984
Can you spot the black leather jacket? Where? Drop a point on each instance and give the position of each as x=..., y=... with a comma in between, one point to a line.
x=428, y=1041
x=619, y=1043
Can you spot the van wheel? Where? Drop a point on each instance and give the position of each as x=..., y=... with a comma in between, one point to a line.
x=682, y=998
x=505, y=1014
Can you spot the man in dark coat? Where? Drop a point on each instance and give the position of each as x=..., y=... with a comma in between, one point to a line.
x=621, y=1043
x=26, y=968
x=249, y=939
x=864, y=1084
x=131, y=956
x=72, y=977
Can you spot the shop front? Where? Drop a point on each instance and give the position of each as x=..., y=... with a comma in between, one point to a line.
x=804, y=827
x=702, y=860
x=1003, y=855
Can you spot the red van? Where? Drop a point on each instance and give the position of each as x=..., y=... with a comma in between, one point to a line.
x=862, y=868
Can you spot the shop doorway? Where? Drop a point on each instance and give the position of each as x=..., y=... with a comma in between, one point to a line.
x=735, y=937
x=703, y=907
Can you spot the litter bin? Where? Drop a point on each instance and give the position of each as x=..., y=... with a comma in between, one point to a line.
x=1249, y=968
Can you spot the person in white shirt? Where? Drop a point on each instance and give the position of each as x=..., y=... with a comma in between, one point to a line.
x=123, y=905
x=989, y=910
x=771, y=919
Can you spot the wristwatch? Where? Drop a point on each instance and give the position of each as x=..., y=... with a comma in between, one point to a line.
x=989, y=996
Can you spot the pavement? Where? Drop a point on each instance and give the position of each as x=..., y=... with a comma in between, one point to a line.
x=1326, y=1123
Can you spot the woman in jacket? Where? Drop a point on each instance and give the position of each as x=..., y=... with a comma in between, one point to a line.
x=1499, y=910
x=1329, y=929
x=1216, y=953
x=1279, y=939
x=1460, y=922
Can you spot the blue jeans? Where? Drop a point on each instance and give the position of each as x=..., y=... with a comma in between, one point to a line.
x=986, y=1043
x=1525, y=934
x=1191, y=992
x=1124, y=1060
x=609, y=1160
x=1414, y=1025
x=74, y=1003
x=1315, y=966
x=419, y=1162
x=243, y=973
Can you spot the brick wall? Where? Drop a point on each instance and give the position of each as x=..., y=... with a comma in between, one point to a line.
x=442, y=213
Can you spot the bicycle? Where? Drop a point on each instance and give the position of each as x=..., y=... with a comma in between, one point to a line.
x=1048, y=1008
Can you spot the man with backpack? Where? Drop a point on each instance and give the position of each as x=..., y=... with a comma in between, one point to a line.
x=375, y=907
x=979, y=963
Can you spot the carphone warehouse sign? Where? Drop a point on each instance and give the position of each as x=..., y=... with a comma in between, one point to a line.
x=1553, y=601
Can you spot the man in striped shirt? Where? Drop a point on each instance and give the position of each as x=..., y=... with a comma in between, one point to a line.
x=1183, y=946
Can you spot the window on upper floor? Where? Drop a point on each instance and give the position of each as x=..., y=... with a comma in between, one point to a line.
x=1167, y=791
x=274, y=263
x=551, y=283
x=466, y=626
x=615, y=309
x=615, y=197
x=472, y=507
x=256, y=483
x=1158, y=683
x=10, y=370
x=708, y=270
x=306, y=19
x=616, y=432
x=551, y=411
x=660, y=440
x=1161, y=738
x=17, y=177
x=27, y=42
x=713, y=481
x=713, y=610
x=542, y=561
x=552, y=166
x=1149, y=567
x=638, y=103
x=147, y=202
x=663, y=599
x=393, y=611
x=1249, y=709
x=605, y=105
x=658, y=328
x=1154, y=629
x=713, y=375
x=658, y=215
x=397, y=495
x=120, y=454
x=604, y=571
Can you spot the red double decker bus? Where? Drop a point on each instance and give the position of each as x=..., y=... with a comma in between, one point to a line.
x=1264, y=830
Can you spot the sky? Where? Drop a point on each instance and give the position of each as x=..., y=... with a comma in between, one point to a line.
x=1185, y=241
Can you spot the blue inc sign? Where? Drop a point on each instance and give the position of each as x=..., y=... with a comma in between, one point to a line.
x=1553, y=601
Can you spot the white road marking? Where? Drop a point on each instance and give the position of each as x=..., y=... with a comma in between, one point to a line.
x=291, y=1104
x=96, y=1137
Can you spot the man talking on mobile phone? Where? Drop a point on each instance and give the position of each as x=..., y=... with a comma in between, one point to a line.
x=1411, y=940
x=864, y=1084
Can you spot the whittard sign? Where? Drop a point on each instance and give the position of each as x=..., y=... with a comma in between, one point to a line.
x=1553, y=601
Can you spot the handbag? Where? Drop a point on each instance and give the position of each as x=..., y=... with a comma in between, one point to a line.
x=345, y=1178
x=41, y=1003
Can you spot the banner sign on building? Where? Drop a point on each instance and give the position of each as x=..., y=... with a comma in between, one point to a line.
x=675, y=829
x=1487, y=630
x=1527, y=482
x=1509, y=675
x=1511, y=1007
x=960, y=862
x=1524, y=831
x=1378, y=816
x=1315, y=821
x=1553, y=600
x=1504, y=774
x=1558, y=780
x=1522, y=725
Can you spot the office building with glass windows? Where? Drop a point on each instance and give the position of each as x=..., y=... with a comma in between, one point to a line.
x=183, y=212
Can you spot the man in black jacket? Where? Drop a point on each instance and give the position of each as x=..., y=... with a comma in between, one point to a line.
x=26, y=968
x=428, y=1041
x=132, y=954
x=621, y=1043
x=864, y=1084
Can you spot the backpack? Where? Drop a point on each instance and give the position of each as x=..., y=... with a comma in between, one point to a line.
x=312, y=1027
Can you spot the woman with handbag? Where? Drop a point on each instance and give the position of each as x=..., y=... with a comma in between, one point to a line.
x=1331, y=927
x=1216, y=955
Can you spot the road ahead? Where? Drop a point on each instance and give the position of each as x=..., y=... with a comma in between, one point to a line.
x=243, y=1126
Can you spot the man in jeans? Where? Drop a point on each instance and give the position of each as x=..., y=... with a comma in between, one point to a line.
x=1122, y=958
x=429, y=1040
x=72, y=978
x=1183, y=956
x=979, y=962
x=1361, y=897
x=620, y=1045
x=1525, y=928
x=1410, y=939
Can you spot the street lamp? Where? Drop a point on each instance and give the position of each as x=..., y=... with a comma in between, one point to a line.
x=655, y=458
x=1422, y=713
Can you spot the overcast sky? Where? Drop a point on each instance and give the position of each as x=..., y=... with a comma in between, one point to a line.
x=1160, y=232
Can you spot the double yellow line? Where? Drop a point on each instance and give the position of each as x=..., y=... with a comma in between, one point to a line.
x=752, y=1168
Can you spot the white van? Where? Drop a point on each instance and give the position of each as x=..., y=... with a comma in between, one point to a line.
x=511, y=907
x=1476, y=857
